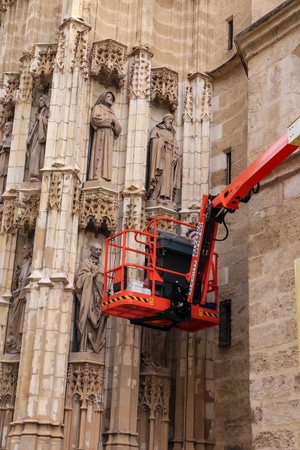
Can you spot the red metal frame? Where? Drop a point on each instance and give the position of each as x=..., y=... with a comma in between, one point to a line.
x=134, y=251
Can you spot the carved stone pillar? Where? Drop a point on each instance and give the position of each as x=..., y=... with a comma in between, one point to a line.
x=196, y=144
x=124, y=387
x=40, y=399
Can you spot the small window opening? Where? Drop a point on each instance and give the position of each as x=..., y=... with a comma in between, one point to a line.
x=228, y=167
x=225, y=323
x=230, y=33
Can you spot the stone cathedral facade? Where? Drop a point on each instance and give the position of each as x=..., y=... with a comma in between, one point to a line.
x=228, y=73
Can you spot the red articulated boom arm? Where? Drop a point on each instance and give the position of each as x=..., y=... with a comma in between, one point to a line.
x=213, y=209
x=179, y=277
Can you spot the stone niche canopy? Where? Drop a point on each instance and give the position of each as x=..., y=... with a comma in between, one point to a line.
x=108, y=60
x=164, y=88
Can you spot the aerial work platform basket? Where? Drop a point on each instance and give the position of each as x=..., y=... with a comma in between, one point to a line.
x=147, y=275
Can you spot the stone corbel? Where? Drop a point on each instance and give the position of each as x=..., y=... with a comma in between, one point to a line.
x=98, y=206
x=164, y=88
x=108, y=60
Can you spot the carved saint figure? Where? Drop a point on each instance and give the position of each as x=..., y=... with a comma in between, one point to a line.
x=164, y=170
x=106, y=130
x=19, y=296
x=4, y=155
x=36, y=141
x=89, y=287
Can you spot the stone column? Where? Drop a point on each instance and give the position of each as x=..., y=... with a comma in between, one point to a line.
x=40, y=398
x=196, y=144
x=122, y=434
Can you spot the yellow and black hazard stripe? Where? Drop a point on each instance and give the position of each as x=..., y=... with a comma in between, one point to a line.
x=125, y=297
x=202, y=312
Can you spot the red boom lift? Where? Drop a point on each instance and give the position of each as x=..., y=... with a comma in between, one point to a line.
x=159, y=278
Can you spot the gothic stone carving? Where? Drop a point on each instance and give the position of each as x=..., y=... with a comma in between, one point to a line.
x=108, y=60
x=9, y=213
x=43, y=65
x=134, y=207
x=8, y=386
x=154, y=410
x=28, y=208
x=164, y=87
x=84, y=405
x=98, y=207
x=140, y=76
x=80, y=48
x=8, y=90
x=26, y=81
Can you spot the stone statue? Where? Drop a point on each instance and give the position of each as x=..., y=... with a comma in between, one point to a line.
x=164, y=168
x=106, y=129
x=89, y=287
x=4, y=155
x=19, y=296
x=36, y=141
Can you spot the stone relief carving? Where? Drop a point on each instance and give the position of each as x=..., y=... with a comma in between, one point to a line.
x=28, y=208
x=188, y=104
x=9, y=215
x=55, y=190
x=108, y=60
x=88, y=284
x=106, y=129
x=84, y=405
x=153, y=410
x=8, y=387
x=36, y=142
x=4, y=156
x=100, y=208
x=164, y=170
x=134, y=208
x=60, y=55
x=9, y=85
x=164, y=87
x=140, y=75
x=80, y=49
x=26, y=80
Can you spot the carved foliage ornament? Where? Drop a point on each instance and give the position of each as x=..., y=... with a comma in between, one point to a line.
x=28, y=208
x=108, y=60
x=80, y=50
x=99, y=208
x=164, y=87
x=140, y=76
x=9, y=214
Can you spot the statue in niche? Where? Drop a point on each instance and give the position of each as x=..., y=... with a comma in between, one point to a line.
x=4, y=156
x=164, y=173
x=21, y=280
x=89, y=288
x=153, y=349
x=36, y=142
x=106, y=129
